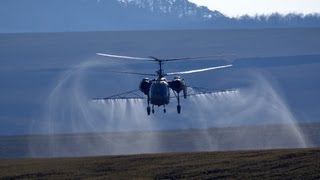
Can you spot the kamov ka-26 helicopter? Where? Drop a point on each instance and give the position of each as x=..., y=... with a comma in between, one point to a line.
x=157, y=90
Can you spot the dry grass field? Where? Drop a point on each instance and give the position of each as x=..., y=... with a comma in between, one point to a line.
x=266, y=164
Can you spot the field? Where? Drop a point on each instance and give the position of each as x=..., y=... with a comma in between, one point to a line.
x=165, y=141
x=267, y=164
x=33, y=64
x=170, y=154
x=269, y=128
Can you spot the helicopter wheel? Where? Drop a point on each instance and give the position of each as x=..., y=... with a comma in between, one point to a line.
x=148, y=110
x=179, y=109
x=164, y=110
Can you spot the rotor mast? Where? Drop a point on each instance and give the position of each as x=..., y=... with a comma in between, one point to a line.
x=160, y=71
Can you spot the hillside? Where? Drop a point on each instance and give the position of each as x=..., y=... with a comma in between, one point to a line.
x=268, y=164
x=106, y=15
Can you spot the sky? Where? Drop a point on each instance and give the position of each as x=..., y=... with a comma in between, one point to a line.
x=233, y=8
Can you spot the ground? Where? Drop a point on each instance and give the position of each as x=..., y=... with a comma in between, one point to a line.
x=267, y=164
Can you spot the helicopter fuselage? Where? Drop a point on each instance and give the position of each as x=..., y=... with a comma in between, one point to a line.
x=159, y=93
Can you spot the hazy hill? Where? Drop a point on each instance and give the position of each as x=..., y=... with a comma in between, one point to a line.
x=101, y=15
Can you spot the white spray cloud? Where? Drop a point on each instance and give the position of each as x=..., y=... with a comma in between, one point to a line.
x=131, y=131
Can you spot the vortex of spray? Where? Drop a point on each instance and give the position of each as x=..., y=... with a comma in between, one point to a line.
x=259, y=116
x=246, y=119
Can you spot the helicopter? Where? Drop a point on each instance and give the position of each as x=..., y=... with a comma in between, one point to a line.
x=157, y=90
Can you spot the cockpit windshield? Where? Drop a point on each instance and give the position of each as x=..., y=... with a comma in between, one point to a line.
x=159, y=89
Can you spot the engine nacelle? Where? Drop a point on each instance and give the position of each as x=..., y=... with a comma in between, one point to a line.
x=145, y=86
x=177, y=84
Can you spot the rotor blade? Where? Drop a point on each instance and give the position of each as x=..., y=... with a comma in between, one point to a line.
x=194, y=58
x=199, y=70
x=135, y=73
x=124, y=57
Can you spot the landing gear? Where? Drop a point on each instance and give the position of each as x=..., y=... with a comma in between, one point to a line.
x=148, y=110
x=164, y=110
x=152, y=109
x=179, y=109
x=185, y=92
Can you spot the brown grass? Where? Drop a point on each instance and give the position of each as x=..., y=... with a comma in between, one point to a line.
x=267, y=164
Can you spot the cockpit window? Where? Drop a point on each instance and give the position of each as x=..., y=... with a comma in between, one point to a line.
x=159, y=89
